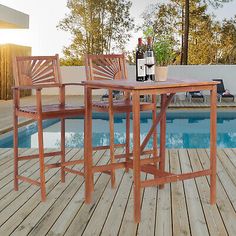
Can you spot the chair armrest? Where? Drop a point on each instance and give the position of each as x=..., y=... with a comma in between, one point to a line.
x=71, y=84
x=37, y=87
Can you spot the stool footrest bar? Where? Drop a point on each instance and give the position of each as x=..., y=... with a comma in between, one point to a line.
x=108, y=167
x=165, y=177
x=107, y=147
x=28, y=180
x=146, y=152
x=74, y=171
x=49, y=154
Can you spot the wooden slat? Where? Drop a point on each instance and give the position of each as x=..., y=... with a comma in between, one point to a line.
x=118, y=207
x=7, y=174
x=164, y=208
x=147, y=227
x=128, y=226
x=33, y=202
x=111, y=166
x=74, y=171
x=182, y=209
x=224, y=205
x=107, y=147
x=179, y=208
x=70, y=211
x=8, y=195
x=196, y=215
x=86, y=211
x=213, y=218
x=96, y=221
x=169, y=86
x=104, y=206
x=169, y=177
x=14, y=209
x=28, y=180
x=21, y=158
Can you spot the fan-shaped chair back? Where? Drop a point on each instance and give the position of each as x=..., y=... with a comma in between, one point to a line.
x=110, y=66
x=37, y=70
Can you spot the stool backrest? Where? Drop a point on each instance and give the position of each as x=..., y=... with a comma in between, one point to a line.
x=36, y=70
x=111, y=66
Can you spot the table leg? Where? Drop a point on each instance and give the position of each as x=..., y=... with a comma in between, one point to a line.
x=88, y=162
x=163, y=135
x=213, y=145
x=112, y=139
x=127, y=141
x=136, y=156
x=154, y=116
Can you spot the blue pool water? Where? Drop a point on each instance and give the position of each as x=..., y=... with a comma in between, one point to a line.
x=184, y=130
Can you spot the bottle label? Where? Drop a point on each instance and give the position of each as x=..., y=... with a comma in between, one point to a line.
x=141, y=67
x=150, y=70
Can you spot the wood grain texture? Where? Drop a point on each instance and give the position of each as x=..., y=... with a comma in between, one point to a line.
x=36, y=73
x=167, y=91
x=181, y=208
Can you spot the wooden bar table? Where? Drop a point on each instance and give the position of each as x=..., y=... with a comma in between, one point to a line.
x=167, y=90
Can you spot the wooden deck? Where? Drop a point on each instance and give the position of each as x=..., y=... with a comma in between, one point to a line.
x=181, y=208
x=6, y=107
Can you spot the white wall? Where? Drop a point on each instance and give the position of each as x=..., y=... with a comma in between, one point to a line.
x=225, y=72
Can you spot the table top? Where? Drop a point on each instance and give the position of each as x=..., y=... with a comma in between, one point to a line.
x=134, y=85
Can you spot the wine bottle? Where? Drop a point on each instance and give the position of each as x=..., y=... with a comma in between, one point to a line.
x=150, y=61
x=140, y=62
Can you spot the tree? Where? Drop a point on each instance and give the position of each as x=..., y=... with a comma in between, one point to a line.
x=96, y=26
x=187, y=13
x=228, y=41
x=205, y=36
x=161, y=21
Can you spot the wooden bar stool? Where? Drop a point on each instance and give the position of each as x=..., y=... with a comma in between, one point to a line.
x=37, y=73
x=111, y=67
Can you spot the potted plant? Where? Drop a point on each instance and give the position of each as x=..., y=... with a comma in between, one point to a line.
x=163, y=51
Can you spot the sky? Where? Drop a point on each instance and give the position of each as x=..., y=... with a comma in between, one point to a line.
x=46, y=39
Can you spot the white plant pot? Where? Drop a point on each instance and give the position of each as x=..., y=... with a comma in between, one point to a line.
x=161, y=73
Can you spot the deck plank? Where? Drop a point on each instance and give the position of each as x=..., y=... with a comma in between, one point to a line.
x=213, y=217
x=118, y=207
x=181, y=208
x=163, y=223
x=223, y=203
x=227, y=174
x=128, y=227
x=70, y=211
x=86, y=211
x=34, y=218
x=147, y=226
x=7, y=169
x=28, y=201
x=96, y=222
x=30, y=169
x=74, y=192
x=196, y=216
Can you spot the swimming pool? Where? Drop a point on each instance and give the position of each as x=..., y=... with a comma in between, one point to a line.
x=184, y=130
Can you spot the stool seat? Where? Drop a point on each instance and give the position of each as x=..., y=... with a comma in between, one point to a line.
x=54, y=110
